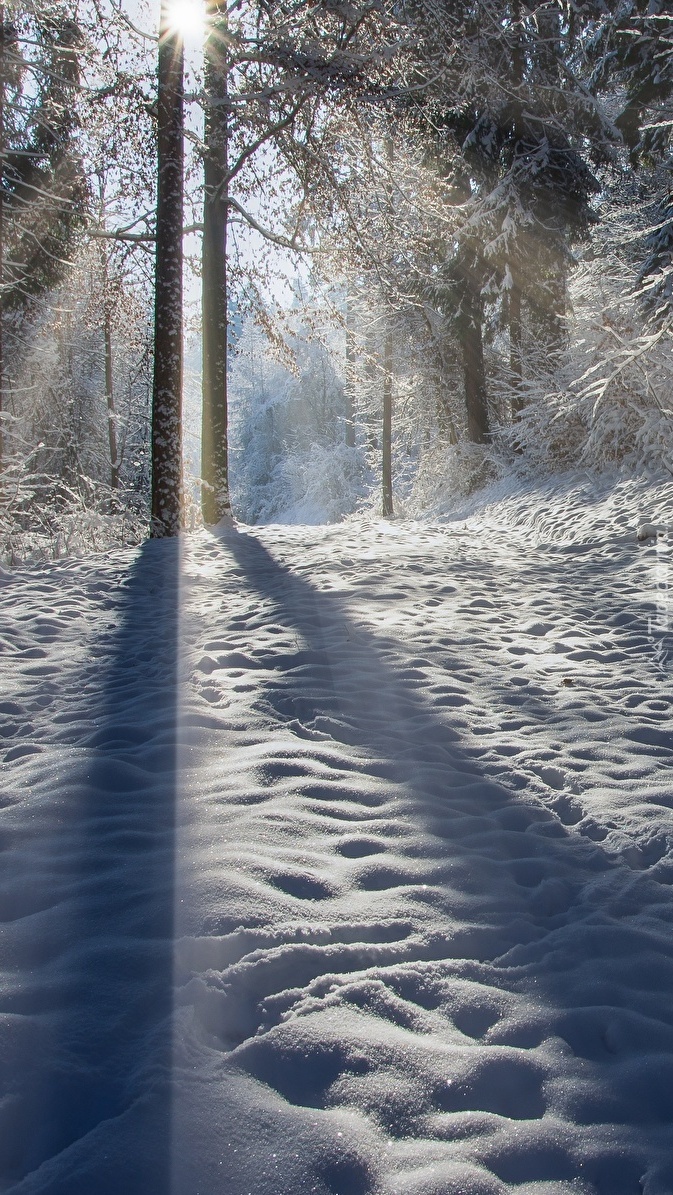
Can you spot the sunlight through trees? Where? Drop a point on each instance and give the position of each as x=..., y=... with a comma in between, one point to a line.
x=475, y=196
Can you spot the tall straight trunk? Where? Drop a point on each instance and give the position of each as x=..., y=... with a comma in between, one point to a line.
x=215, y=501
x=518, y=62
x=387, y=430
x=109, y=396
x=2, y=229
x=515, y=353
x=445, y=421
x=473, y=368
x=372, y=412
x=446, y=426
x=518, y=72
x=108, y=365
x=350, y=369
x=167, y=385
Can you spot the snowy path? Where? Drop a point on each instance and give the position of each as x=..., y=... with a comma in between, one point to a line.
x=338, y=861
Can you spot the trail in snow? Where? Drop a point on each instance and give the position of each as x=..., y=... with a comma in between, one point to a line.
x=344, y=865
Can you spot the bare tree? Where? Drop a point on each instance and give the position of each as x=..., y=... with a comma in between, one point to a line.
x=167, y=386
x=214, y=441
x=271, y=74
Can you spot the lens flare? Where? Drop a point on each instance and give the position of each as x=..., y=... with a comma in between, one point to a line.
x=187, y=18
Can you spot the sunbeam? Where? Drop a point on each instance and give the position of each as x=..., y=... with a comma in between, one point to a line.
x=187, y=17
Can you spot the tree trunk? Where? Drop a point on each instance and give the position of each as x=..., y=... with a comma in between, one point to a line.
x=514, y=297
x=167, y=386
x=473, y=369
x=515, y=354
x=350, y=369
x=445, y=420
x=2, y=229
x=387, y=429
x=109, y=395
x=386, y=434
x=445, y=424
x=215, y=501
x=372, y=412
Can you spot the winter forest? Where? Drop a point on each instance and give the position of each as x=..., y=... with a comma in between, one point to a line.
x=336, y=597
x=421, y=246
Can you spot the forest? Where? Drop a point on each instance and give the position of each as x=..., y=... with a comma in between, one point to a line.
x=336, y=597
x=339, y=256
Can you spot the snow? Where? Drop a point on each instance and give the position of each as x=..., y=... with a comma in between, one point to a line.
x=337, y=860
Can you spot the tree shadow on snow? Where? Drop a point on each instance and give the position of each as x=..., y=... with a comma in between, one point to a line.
x=529, y=871
x=96, y=1114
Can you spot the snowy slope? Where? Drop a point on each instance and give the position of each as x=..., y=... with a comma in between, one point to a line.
x=338, y=860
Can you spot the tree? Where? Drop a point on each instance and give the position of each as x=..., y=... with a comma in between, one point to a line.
x=509, y=98
x=167, y=385
x=270, y=74
x=119, y=150
x=42, y=191
x=214, y=440
x=387, y=509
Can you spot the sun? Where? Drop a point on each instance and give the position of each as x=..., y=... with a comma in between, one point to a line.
x=187, y=17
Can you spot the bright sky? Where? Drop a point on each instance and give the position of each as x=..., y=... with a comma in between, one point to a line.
x=189, y=18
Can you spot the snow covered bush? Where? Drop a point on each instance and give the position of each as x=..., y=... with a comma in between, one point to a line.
x=289, y=456
x=608, y=403
x=320, y=485
x=77, y=382
x=42, y=518
x=446, y=472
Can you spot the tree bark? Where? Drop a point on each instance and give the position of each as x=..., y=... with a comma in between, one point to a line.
x=215, y=502
x=167, y=385
x=515, y=353
x=2, y=230
x=445, y=421
x=514, y=298
x=473, y=368
x=372, y=402
x=387, y=430
x=109, y=396
x=350, y=369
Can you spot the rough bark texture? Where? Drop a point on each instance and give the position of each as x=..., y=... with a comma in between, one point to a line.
x=473, y=369
x=445, y=420
x=2, y=228
x=515, y=354
x=109, y=396
x=167, y=386
x=350, y=370
x=373, y=413
x=386, y=435
x=214, y=446
x=514, y=297
x=387, y=429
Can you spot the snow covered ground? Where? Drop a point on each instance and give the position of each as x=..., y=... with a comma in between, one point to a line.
x=338, y=860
